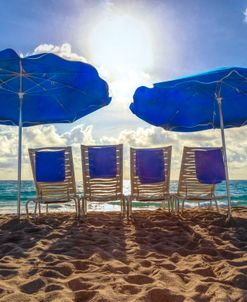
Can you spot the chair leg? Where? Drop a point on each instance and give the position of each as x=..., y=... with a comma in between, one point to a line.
x=216, y=204
x=173, y=203
x=169, y=204
x=27, y=203
x=35, y=209
x=121, y=206
x=82, y=206
x=124, y=206
x=129, y=207
x=183, y=205
x=46, y=208
x=79, y=207
x=131, y=203
x=127, y=204
x=76, y=208
x=39, y=206
x=85, y=206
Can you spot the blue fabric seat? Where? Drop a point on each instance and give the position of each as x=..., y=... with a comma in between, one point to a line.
x=210, y=166
x=150, y=166
x=102, y=162
x=50, y=166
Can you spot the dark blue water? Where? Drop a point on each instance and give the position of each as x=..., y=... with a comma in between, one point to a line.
x=8, y=195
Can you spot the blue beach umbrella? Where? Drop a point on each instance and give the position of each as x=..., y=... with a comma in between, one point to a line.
x=214, y=99
x=45, y=89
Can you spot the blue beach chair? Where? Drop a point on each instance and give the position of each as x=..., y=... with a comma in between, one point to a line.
x=54, y=178
x=102, y=168
x=201, y=169
x=150, y=176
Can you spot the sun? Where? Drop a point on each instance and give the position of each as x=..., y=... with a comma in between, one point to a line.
x=121, y=42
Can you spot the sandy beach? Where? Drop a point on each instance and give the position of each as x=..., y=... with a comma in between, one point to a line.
x=155, y=257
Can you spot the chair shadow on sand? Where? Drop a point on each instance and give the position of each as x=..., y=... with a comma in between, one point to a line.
x=57, y=247
x=88, y=253
x=156, y=255
x=184, y=249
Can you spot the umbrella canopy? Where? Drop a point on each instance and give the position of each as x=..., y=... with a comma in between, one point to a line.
x=44, y=89
x=215, y=99
x=190, y=104
x=53, y=90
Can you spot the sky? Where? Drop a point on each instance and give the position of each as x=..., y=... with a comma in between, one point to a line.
x=131, y=43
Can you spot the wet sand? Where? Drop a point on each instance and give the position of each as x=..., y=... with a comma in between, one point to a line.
x=154, y=257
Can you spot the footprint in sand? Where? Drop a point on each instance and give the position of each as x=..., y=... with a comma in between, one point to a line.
x=84, y=295
x=63, y=269
x=204, y=271
x=7, y=273
x=2, y=292
x=161, y=295
x=53, y=287
x=78, y=284
x=129, y=289
x=146, y=263
x=202, y=288
x=7, y=247
x=240, y=281
x=139, y=279
x=52, y=274
x=32, y=286
x=81, y=265
x=168, y=266
x=32, y=271
x=20, y=297
x=116, y=268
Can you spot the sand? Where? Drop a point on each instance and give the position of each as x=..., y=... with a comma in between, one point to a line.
x=155, y=257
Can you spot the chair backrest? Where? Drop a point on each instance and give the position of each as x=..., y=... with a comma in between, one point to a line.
x=191, y=174
x=53, y=172
x=150, y=171
x=102, y=169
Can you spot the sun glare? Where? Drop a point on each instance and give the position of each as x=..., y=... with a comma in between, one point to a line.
x=121, y=43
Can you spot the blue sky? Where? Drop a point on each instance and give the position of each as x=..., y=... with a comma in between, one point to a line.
x=212, y=33
x=177, y=38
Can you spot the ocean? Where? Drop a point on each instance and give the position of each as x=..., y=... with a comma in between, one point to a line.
x=8, y=196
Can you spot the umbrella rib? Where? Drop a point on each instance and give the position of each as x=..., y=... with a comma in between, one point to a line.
x=233, y=71
x=47, y=91
x=178, y=111
x=56, y=82
x=239, y=90
x=8, y=71
x=206, y=83
x=5, y=82
x=28, y=78
x=8, y=90
x=61, y=83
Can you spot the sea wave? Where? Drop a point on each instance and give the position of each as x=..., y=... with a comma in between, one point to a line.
x=8, y=197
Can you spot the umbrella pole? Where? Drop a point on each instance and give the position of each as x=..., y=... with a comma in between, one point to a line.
x=20, y=143
x=219, y=101
x=19, y=160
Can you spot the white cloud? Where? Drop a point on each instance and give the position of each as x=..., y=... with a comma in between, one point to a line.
x=38, y=136
x=122, y=87
x=63, y=51
x=79, y=135
x=35, y=137
x=245, y=15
